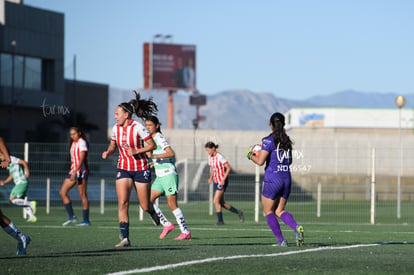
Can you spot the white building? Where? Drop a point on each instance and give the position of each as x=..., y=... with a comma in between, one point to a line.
x=351, y=118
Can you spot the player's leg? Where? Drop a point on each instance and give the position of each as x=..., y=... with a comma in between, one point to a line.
x=123, y=190
x=289, y=220
x=18, y=197
x=171, y=189
x=18, y=194
x=157, y=190
x=10, y=228
x=82, y=188
x=233, y=209
x=269, y=206
x=142, y=180
x=145, y=203
x=33, y=204
x=166, y=224
x=228, y=206
x=217, y=201
x=179, y=217
x=64, y=190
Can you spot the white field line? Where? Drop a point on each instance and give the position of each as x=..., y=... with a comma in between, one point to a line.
x=214, y=259
x=116, y=227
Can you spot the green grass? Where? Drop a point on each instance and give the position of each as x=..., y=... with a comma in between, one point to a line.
x=330, y=247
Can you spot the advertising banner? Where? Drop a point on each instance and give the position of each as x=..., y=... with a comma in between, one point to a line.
x=169, y=66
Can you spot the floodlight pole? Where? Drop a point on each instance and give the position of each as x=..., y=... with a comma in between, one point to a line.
x=400, y=102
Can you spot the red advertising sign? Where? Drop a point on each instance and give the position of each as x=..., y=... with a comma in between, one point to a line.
x=169, y=66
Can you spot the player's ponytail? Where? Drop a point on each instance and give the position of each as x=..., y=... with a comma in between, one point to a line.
x=277, y=120
x=143, y=108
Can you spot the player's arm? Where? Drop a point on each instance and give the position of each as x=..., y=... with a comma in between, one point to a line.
x=4, y=163
x=111, y=149
x=260, y=159
x=26, y=168
x=148, y=147
x=82, y=156
x=210, y=179
x=227, y=169
x=169, y=153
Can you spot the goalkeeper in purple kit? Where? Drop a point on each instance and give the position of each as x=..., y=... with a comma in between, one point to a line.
x=276, y=153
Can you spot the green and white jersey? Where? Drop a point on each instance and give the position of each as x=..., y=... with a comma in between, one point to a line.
x=16, y=171
x=162, y=166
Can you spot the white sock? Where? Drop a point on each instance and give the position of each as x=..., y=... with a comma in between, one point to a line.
x=29, y=211
x=179, y=216
x=163, y=220
x=21, y=202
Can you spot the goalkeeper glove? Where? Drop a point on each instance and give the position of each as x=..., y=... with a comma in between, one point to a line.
x=249, y=153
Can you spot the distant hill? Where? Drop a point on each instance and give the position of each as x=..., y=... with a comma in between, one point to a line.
x=247, y=110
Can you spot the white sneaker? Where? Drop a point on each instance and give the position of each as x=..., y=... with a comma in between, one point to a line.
x=32, y=219
x=69, y=221
x=124, y=243
x=84, y=223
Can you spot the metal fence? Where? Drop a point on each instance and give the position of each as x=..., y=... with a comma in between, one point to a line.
x=329, y=180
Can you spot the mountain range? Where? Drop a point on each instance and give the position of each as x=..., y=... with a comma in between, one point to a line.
x=247, y=110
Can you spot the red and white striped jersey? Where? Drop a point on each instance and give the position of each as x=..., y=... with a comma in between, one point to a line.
x=131, y=136
x=76, y=148
x=216, y=164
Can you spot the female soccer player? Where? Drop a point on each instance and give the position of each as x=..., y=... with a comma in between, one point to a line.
x=219, y=175
x=133, y=167
x=166, y=182
x=8, y=226
x=18, y=195
x=78, y=174
x=276, y=152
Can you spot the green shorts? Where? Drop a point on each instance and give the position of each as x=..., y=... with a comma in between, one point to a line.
x=19, y=190
x=167, y=185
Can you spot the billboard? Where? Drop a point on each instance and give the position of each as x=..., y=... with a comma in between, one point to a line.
x=169, y=66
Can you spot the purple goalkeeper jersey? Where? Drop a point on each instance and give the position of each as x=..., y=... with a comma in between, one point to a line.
x=277, y=178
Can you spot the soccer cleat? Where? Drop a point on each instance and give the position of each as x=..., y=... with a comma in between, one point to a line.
x=32, y=219
x=84, y=223
x=70, y=221
x=241, y=216
x=155, y=219
x=22, y=244
x=166, y=230
x=183, y=236
x=283, y=243
x=124, y=243
x=33, y=205
x=300, y=239
x=220, y=223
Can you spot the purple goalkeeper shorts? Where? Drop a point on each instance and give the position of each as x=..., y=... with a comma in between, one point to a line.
x=278, y=187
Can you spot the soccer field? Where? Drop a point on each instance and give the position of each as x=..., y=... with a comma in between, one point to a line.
x=243, y=248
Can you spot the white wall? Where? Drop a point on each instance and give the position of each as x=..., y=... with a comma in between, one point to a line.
x=349, y=118
x=317, y=151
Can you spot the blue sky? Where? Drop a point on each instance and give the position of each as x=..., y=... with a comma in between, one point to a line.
x=294, y=49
